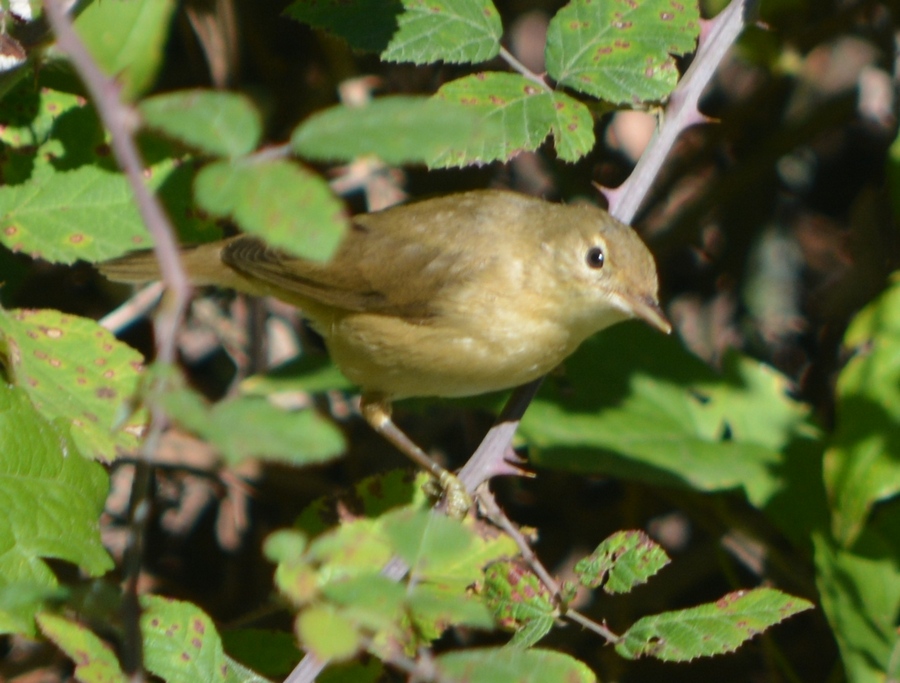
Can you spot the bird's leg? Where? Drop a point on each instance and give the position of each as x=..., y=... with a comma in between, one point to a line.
x=376, y=409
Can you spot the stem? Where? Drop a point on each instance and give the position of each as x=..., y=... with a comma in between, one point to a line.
x=523, y=70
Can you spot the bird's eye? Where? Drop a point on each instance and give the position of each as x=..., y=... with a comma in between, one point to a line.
x=595, y=257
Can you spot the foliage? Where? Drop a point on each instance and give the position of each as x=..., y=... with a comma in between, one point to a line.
x=368, y=581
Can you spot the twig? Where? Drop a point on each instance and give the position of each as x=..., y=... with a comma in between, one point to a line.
x=721, y=33
x=592, y=625
x=523, y=70
x=120, y=121
x=682, y=110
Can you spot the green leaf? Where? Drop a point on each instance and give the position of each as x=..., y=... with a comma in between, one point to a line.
x=95, y=661
x=710, y=629
x=127, y=39
x=861, y=467
x=665, y=418
x=76, y=371
x=218, y=123
x=328, y=633
x=238, y=673
x=453, y=31
x=520, y=601
x=860, y=595
x=286, y=205
x=435, y=608
x=52, y=499
x=429, y=542
x=623, y=561
x=365, y=24
x=311, y=372
x=512, y=665
x=522, y=113
x=398, y=130
x=181, y=643
x=21, y=600
x=621, y=50
x=87, y=213
x=249, y=427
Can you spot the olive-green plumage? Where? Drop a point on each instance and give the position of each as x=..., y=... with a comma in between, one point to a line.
x=452, y=296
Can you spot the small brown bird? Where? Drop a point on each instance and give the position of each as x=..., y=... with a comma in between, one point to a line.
x=453, y=296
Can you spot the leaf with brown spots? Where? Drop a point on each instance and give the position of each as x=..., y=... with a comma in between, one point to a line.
x=76, y=371
x=523, y=114
x=181, y=642
x=621, y=50
x=623, y=561
x=95, y=661
x=711, y=629
x=453, y=31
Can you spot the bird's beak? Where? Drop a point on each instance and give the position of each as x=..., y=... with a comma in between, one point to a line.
x=647, y=309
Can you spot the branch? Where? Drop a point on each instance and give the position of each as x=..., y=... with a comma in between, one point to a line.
x=120, y=120
x=490, y=458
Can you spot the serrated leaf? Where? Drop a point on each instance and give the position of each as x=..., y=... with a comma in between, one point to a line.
x=656, y=417
x=218, y=123
x=52, y=498
x=286, y=205
x=861, y=466
x=621, y=50
x=512, y=665
x=238, y=673
x=520, y=601
x=95, y=661
x=87, y=213
x=76, y=371
x=181, y=643
x=623, y=561
x=398, y=130
x=249, y=427
x=521, y=115
x=364, y=24
x=453, y=31
x=127, y=39
x=328, y=633
x=710, y=629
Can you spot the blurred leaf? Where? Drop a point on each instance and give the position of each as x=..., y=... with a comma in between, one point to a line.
x=127, y=40
x=453, y=31
x=76, y=371
x=522, y=115
x=312, y=373
x=860, y=596
x=365, y=24
x=624, y=560
x=665, y=418
x=435, y=608
x=328, y=633
x=512, y=665
x=272, y=653
x=286, y=205
x=398, y=130
x=621, y=50
x=218, y=123
x=861, y=465
x=429, y=543
x=95, y=661
x=519, y=601
x=181, y=643
x=87, y=213
x=21, y=600
x=370, y=671
x=710, y=629
x=249, y=427
x=238, y=673
x=52, y=498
